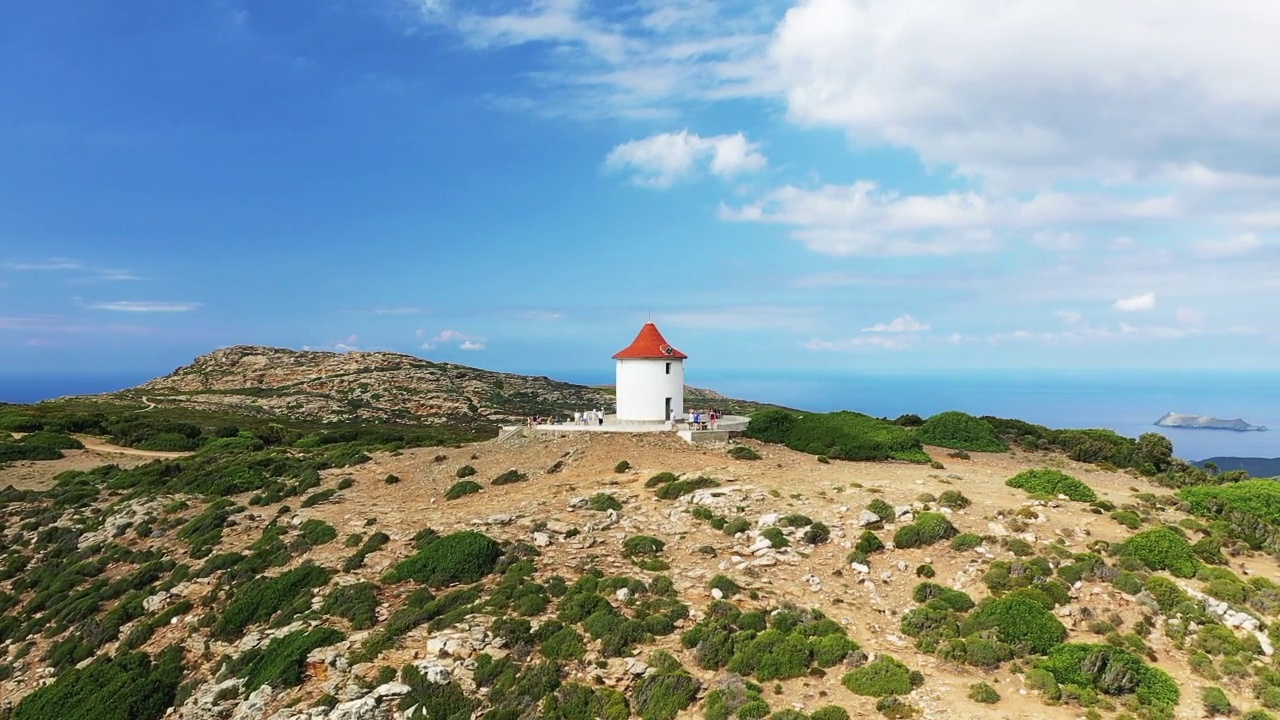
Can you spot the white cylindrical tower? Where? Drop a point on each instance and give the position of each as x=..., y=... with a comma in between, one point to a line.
x=650, y=381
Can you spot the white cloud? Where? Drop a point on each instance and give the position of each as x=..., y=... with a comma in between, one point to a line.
x=661, y=160
x=145, y=306
x=463, y=340
x=1228, y=247
x=865, y=219
x=1040, y=90
x=52, y=264
x=1136, y=303
x=900, y=324
x=1070, y=317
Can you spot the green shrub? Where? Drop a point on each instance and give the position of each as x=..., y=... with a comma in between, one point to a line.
x=983, y=693
x=262, y=598
x=960, y=431
x=775, y=537
x=953, y=499
x=128, y=686
x=661, y=478
x=462, y=557
x=1162, y=549
x=563, y=645
x=573, y=701
x=927, y=529
x=317, y=498
x=1017, y=621
x=662, y=696
x=1111, y=671
x=736, y=525
x=743, y=452
x=840, y=435
x=957, y=600
x=509, y=477
x=883, y=677
x=894, y=708
x=317, y=532
x=281, y=663
x=622, y=467
x=1052, y=482
x=1215, y=701
x=1127, y=518
x=830, y=712
x=829, y=650
x=465, y=471
x=1251, y=508
x=868, y=542
x=603, y=502
x=882, y=510
x=356, y=603
x=725, y=585
x=965, y=541
x=638, y=545
x=462, y=488
x=391, y=479
x=435, y=701
x=679, y=488
x=817, y=534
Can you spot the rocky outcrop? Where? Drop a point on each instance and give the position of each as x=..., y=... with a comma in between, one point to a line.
x=1203, y=422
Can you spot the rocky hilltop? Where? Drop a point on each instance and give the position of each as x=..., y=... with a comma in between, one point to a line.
x=367, y=387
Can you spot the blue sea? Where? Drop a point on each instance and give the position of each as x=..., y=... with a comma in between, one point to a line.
x=1128, y=402
x=1125, y=401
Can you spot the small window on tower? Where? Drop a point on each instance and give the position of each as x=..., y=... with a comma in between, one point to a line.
x=668, y=368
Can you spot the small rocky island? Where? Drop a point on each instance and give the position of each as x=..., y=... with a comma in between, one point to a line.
x=1203, y=422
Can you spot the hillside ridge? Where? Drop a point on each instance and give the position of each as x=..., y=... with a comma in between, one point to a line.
x=370, y=386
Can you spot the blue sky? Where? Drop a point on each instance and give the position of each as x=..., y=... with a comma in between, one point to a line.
x=817, y=185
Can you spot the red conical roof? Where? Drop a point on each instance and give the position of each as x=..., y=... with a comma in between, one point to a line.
x=649, y=344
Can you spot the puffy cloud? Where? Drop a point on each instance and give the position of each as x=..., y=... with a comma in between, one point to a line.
x=145, y=306
x=463, y=340
x=661, y=160
x=900, y=324
x=1040, y=89
x=1136, y=303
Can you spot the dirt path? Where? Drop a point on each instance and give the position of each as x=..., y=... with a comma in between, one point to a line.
x=92, y=443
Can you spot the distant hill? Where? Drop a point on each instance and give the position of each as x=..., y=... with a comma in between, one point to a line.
x=372, y=387
x=1257, y=467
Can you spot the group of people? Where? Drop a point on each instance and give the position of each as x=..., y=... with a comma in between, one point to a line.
x=703, y=419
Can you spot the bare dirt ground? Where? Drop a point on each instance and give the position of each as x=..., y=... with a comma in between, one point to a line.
x=28, y=475
x=782, y=482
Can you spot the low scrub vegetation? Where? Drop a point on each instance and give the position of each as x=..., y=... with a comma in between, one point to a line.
x=462, y=488
x=838, y=435
x=463, y=557
x=1052, y=483
x=955, y=430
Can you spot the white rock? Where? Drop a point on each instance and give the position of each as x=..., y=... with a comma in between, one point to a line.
x=717, y=593
x=623, y=594
x=391, y=690
x=859, y=567
x=866, y=517
x=541, y=539
x=768, y=520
